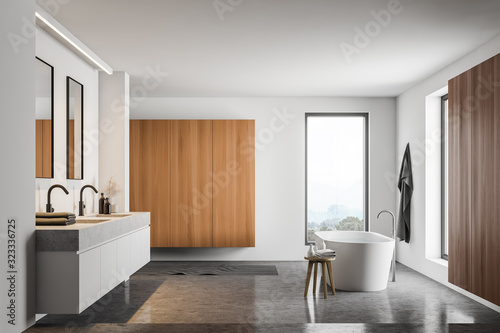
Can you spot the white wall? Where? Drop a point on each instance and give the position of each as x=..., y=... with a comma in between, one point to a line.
x=66, y=63
x=411, y=127
x=17, y=148
x=280, y=165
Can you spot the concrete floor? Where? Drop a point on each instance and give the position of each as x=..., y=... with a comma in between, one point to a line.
x=274, y=303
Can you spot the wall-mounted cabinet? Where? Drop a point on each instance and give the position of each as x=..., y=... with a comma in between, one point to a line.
x=234, y=177
x=191, y=183
x=150, y=175
x=474, y=180
x=68, y=282
x=197, y=178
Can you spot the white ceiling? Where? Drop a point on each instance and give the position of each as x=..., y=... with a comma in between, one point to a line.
x=278, y=47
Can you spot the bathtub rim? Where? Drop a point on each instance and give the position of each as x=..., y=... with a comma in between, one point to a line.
x=384, y=238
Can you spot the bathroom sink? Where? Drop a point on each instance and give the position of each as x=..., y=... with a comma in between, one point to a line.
x=93, y=220
x=114, y=215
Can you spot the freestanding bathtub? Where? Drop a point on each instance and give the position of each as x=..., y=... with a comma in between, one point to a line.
x=363, y=258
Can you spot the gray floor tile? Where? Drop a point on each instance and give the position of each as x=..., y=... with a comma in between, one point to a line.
x=274, y=303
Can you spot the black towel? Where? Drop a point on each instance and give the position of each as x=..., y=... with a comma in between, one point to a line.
x=405, y=185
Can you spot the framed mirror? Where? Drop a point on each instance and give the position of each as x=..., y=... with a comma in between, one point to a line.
x=44, y=114
x=74, y=128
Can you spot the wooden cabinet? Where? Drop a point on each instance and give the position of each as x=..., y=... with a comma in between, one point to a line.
x=191, y=183
x=204, y=195
x=150, y=175
x=474, y=180
x=234, y=183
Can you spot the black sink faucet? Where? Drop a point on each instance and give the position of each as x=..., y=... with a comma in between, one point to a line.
x=48, y=207
x=81, y=203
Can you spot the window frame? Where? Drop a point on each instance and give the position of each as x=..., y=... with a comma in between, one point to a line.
x=444, y=176
x=366, y=161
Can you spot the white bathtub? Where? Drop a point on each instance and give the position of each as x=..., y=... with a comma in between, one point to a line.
x=363, y=258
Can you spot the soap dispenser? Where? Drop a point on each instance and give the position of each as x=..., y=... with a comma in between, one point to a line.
x=107, y=207
x=101, y=204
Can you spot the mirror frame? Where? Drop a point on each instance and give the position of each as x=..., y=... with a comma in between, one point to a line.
x=51, y=119
x=68, y=81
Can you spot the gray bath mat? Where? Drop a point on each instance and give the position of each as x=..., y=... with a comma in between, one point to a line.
x=158, y=268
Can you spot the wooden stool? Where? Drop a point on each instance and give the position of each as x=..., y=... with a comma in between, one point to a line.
x=324, y=262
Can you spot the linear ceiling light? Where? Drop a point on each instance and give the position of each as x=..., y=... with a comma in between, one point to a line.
x=61, y=31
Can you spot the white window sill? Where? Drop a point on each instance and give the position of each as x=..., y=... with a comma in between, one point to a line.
x=439, y=261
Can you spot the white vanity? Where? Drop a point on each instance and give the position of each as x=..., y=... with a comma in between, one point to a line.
x=78, y=264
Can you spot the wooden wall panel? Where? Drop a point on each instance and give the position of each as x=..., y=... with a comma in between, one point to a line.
x=234, y=183
x=484, y=147
x=39, y=148
x=474, y=99
x=71, y=149
x=47, y=148
x=191, y=183
x=495, y=230
x=459, y=181
x=150, y=175
x=43, y=153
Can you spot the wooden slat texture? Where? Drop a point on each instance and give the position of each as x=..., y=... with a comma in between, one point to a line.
x=234, y=183
x=47, y=148
x=474, y=159
x=484, y=147
x=191, y=183
x=39, y=148
x=197, y=178
x=495, y=228
x=150, y=175
x=43, y=148
x=71, y=149
x=459, y=181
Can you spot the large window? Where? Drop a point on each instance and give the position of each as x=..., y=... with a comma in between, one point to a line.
x=336, y=172
x=444, y=177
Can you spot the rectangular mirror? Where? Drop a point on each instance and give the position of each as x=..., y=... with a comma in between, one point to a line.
x=44, y=114
x=74, y=126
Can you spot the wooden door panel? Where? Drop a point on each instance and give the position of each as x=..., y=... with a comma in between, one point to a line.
x=234, y=183
x=150, y=175
x=191, y=213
